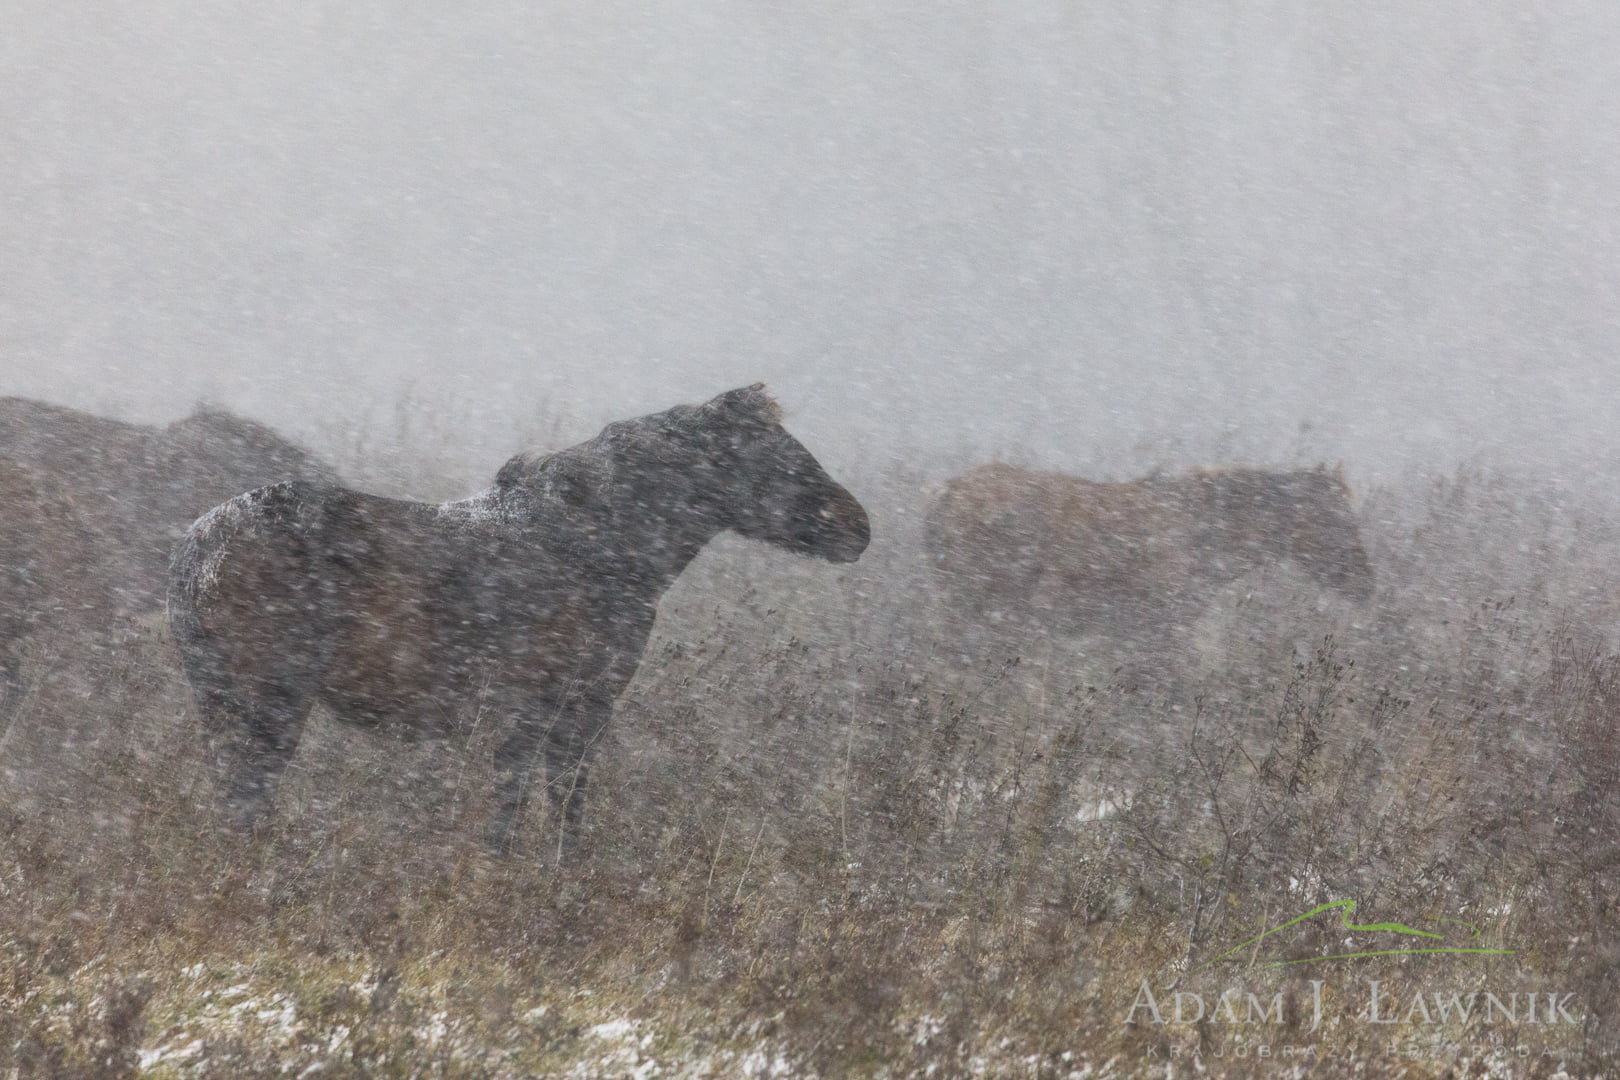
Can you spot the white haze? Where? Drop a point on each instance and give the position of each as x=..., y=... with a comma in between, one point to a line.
x=1094, y=234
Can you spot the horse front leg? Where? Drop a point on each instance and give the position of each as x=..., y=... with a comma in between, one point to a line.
x=515, y=763
x=567, y=767
x=557, y=751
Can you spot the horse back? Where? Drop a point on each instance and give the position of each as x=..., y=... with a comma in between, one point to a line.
x=1085, y=527
x=255, y=583
x=1062, y=549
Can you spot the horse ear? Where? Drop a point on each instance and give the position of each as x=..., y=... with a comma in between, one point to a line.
x=749, y=402
x=572, y=478
x=563, y=474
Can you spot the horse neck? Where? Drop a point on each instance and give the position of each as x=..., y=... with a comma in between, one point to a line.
x=649, y=541
x=653, y=544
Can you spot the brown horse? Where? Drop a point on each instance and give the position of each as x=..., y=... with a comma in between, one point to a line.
x=138, y=487
x=48, y=571
x=1135, y=560
x=539, y=592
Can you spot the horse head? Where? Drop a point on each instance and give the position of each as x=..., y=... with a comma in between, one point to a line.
x=1322, y=536
x=773, y=488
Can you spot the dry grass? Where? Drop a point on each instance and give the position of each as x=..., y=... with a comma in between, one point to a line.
x=822, y=842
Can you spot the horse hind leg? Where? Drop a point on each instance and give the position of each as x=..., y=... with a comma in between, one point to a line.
x=254, y=724
x=254, y=737
x=259, y=658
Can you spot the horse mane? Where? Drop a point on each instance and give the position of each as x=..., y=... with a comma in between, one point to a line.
x=586, y=468
x=576, y=477
x=517, y=467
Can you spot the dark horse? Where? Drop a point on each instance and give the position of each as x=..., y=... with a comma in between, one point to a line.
x=1136, y=560
x=539, y=592
x=48, y=571
x=140, y=486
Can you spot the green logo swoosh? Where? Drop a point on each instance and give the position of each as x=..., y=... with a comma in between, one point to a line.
x=1347, y=907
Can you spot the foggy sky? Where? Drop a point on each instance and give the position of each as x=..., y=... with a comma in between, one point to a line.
x=1094, y=234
